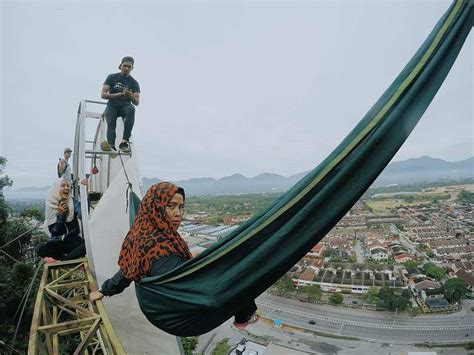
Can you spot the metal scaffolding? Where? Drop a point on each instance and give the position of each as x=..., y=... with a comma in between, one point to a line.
x=63, y=308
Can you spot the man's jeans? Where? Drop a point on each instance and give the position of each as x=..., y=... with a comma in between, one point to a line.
x=112, y=112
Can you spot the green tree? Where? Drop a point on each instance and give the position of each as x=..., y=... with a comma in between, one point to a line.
x=400, y=227
x=371, y=295
x=327, y=252
x=214, y=221
x=16, y=247
x=336, y=298
x=15, y=276
x=189, y=344
x=465, y=197
x=393, y=299
x=410, y=264
x=434, y=271
x=284, y=285
x=4, y=182
x=423, y=247
x=314, y=293
x=366, y=205
x=402, y=301
x=222, y=347
x=33, y=213
x=454, y=289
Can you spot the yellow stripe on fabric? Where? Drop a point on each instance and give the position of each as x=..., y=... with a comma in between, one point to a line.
x=402, y=87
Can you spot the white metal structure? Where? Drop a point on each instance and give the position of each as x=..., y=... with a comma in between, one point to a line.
x=106, y=223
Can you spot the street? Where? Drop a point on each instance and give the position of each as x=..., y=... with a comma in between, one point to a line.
x=370, y=332
x=379, y=326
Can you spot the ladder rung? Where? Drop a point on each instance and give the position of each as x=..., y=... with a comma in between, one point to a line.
x=96, y=102
x=106, y=153
x=88, y=141
x=93, y=114
x=90, y=156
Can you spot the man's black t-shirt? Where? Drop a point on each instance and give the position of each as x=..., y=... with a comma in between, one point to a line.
x=117, y=83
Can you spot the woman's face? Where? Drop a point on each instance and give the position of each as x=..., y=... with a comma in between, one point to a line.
x=175, y=210
x=64, y=189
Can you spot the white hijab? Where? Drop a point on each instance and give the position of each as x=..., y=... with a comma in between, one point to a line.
x=52, y=204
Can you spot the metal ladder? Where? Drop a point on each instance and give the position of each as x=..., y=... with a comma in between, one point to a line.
x=62, y=304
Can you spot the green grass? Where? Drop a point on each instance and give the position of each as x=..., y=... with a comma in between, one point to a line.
x=222, y=347
x=466, y=346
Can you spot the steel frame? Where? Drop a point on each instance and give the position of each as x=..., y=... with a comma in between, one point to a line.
x=62, y=307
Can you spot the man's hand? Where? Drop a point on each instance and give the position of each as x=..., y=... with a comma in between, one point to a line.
x=63, y=208
x=127, y=93
x=95, y=296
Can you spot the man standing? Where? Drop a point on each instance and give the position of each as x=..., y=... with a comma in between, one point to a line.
x=123, y=92
x=64, y=169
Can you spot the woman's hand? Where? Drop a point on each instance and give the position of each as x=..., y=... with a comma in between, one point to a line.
x=63, y=208
x=95, y=296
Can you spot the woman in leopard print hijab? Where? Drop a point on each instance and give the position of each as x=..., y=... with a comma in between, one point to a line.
x=154, y=233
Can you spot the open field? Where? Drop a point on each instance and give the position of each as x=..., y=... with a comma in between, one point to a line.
x=382, y=203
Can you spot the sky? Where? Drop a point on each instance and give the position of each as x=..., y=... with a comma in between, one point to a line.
x=226, y=86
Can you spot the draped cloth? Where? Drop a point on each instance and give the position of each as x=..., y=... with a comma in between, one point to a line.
x=207, y=290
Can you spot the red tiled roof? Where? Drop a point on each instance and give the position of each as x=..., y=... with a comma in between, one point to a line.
x=462, y=274
x=307, y=275
x=317, y=248
x=402, y=256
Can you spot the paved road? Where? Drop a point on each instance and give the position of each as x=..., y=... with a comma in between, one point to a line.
x=380, y=332
x=404, y=240
x=379, y=326
x=359, y=252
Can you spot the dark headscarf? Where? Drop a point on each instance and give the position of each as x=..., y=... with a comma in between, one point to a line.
x=151, y=236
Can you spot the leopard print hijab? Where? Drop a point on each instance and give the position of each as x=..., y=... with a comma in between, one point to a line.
x=151, y=236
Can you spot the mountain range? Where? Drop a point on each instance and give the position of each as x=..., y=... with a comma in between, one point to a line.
x=424, y=169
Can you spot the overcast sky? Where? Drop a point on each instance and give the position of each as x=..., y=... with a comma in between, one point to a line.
x=227, y=86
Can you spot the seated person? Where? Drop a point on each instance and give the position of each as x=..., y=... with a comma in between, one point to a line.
x=154, y=247
x=62, y=225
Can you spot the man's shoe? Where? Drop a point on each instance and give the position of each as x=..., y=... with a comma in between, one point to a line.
x=106, y=146
x=124, y=147
x=254, y=319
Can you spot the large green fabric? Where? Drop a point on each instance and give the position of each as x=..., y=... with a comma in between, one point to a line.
x=134, y=202
x=209, y=289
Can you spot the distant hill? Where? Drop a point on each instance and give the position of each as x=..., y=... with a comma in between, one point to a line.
x=234, y=184
x=424, y=169
x=26, y=193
